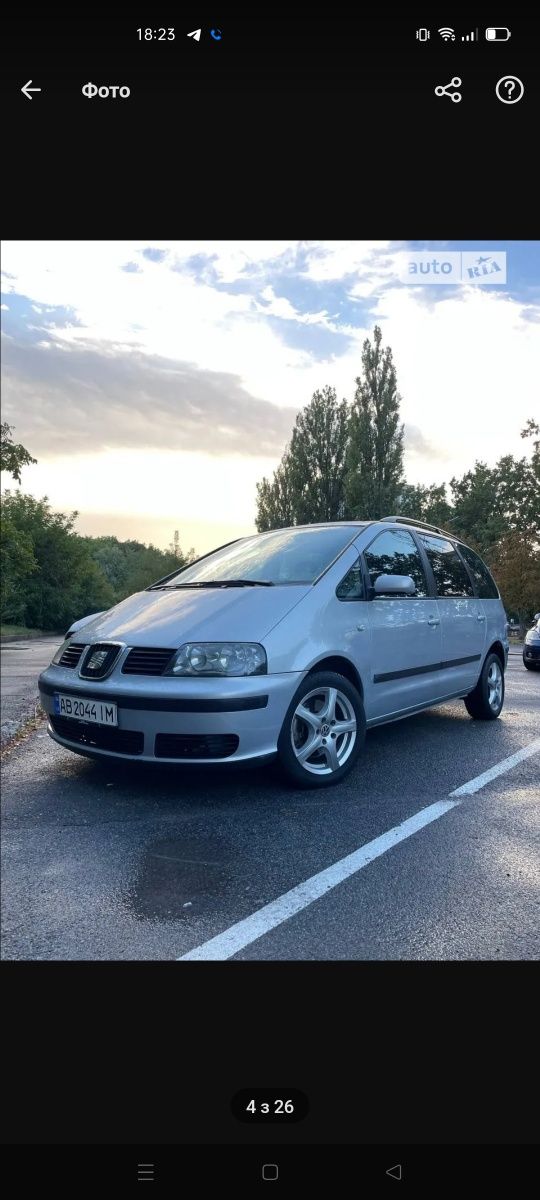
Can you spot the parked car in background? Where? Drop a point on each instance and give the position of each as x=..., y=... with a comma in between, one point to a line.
x=531, y=646
x=288, y=643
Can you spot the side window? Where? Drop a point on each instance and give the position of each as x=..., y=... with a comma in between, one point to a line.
x=394, y=552
x=352, y=585
x=451, y=578
x=485, y=585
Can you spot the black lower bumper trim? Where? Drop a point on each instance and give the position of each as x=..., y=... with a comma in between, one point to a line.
x=98, y=737
x=156, y=704
x=204, y=745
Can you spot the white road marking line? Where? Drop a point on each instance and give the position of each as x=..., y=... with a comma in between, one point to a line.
x=240, y=935
x=474, y=785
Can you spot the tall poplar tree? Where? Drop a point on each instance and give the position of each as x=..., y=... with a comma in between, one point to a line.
x=375, y=452
x=308, y=486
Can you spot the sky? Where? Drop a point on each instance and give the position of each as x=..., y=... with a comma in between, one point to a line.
x=156, y=382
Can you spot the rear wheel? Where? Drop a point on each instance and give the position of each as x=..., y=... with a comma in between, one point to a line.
x=323, y=731
x=486, y=701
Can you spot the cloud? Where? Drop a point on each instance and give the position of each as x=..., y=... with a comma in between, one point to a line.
x=154, y=255
x=416, y=445
x=244, y=332
x=72, y=398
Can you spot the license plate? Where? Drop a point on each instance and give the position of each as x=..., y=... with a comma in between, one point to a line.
x=99, y=712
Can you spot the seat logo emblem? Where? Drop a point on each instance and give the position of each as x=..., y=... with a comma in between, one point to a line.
x=96, y=660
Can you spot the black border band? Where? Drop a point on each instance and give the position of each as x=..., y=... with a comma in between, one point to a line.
x=155, y=704
x=438, y=666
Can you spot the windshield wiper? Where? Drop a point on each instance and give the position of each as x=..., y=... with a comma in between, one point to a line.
x=216, y=583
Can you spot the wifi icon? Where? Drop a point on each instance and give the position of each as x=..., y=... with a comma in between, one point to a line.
x=447, y=35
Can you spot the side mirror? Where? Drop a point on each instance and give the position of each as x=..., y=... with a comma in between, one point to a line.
x=394, y=585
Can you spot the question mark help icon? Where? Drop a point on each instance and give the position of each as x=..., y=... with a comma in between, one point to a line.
x=509, y=89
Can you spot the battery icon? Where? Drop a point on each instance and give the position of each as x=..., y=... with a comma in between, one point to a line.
x=497, y=34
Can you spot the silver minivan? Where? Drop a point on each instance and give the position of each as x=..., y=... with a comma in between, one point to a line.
x=289, y=643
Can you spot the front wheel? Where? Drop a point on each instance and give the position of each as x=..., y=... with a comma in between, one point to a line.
x=323, y=731
x=486, y=701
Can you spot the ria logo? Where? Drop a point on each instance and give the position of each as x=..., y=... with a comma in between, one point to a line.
x=483, y=266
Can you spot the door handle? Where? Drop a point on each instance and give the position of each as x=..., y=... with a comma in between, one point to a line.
x=480, y=617
x=433, y=621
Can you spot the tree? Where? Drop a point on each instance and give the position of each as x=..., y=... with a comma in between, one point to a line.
x=131, y=566
x=13, y=456
x=17, y=563
x=317, y=458
x=375, y=451
x=516, y=568
x=518, y=494
x=477, y=515
x=275, y=508
x=532, y=428
x=64, y=584
x=308, y=485
x=490, y=502
x=425, y=503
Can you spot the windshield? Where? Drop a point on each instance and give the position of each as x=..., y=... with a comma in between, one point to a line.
x=282, y=556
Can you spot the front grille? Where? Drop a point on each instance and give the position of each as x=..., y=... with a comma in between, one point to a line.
x=71, y=655
x=146, y=660
x=188, y=745
x=100, y=737
x=99, y=660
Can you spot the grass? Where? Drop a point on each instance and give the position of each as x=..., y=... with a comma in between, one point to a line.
x=20, y=631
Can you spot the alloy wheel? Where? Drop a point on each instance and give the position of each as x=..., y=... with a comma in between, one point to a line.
x=494, y=682
x=323, y=730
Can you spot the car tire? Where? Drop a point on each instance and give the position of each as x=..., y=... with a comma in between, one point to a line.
x=323, y=700
x=487, y=698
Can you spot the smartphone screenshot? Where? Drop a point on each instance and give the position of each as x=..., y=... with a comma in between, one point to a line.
x=270, y=607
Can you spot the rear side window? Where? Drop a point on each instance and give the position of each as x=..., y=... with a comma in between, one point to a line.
x=485, y=585
x=451, y=578
x=394, y=552
x=352, y=585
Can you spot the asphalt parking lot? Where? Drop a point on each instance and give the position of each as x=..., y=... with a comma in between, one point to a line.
x=126, y=861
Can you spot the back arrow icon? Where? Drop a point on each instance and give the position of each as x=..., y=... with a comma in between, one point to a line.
x=27, y=89
x=395, y=1172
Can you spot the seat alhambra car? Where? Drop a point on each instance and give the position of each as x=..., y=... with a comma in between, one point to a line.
x=289, y=643
x=531, y=646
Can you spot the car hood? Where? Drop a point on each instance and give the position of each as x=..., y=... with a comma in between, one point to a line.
x=170, y=618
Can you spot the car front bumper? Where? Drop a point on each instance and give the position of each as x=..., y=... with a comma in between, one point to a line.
x=531, y=653
x=174, y=720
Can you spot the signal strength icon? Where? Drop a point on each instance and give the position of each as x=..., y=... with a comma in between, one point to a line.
x=447, y=35
x=470, y=37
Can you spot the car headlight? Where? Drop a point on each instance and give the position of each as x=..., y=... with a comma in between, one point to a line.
x=219, y=658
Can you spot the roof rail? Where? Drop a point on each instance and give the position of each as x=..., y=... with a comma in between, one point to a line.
x=420, y=524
